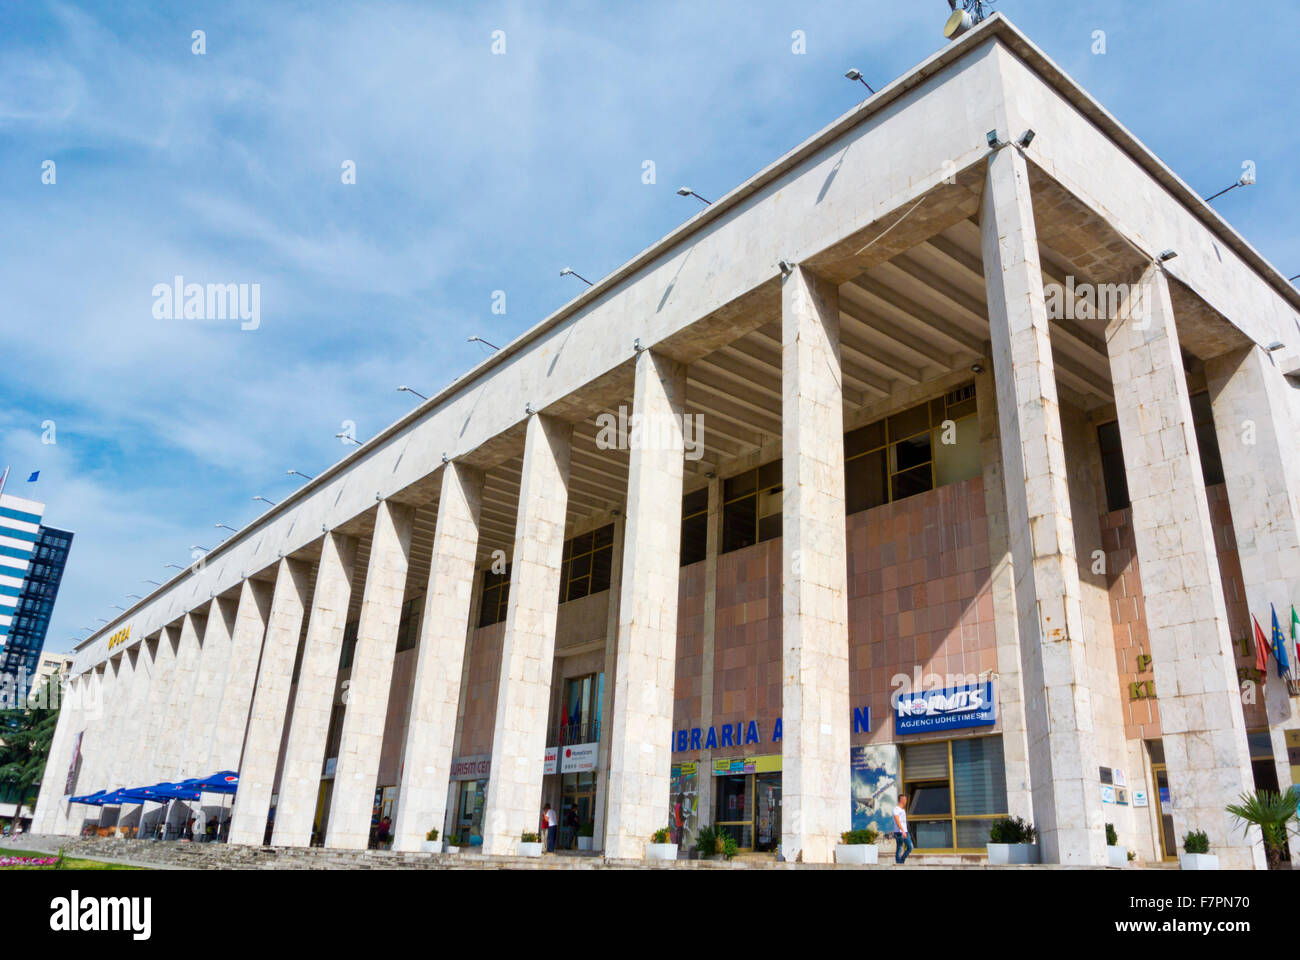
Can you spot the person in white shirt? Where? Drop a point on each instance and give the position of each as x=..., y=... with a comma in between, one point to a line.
x=903, y=841
x=552, y=823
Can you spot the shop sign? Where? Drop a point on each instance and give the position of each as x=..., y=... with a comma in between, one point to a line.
x=766, y=764
x=743, y=733
x=969, y=705
x=552, y=755
x=471, y=768
x=578, y=758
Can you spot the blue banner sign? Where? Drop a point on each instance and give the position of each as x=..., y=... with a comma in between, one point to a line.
x=949, y=709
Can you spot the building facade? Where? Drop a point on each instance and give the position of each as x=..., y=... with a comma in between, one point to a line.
x=933, y=458
x=32, y=558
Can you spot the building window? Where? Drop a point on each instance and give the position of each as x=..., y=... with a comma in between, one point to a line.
x=695, y=526
x=586, y=566
x=408, y=627
x=580, y=717
x=751, y=507
x=1207, y=438
x=930, y=445
x=496, y=591
x=956, y=789
x=1112, y=466
x=349, y=644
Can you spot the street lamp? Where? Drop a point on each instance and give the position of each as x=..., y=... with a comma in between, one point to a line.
x=857, y=75
x=264, y=500
x=688, y=192
x=297, y=473
x=478, y=339
x=570, y=272
x=405, y=389
x=226, y=526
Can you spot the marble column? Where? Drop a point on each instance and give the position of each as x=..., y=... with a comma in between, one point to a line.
x=252, y=613
x=815, y=714
x=1202, y=725
x=439, y=665
x=640, y=756
x=528, y=646
x=1064, y=777
x=270, y=703
x=357, y=772
x=1258, y=444
x=304, y=755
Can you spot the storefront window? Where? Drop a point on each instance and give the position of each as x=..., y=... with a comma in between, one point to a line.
x=582, y=699
x=956, y=789
x=586, y=564
x=751, y=507
x=470, y=798
x=496, y=592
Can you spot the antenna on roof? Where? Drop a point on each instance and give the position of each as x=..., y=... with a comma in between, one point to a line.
x=965, y=14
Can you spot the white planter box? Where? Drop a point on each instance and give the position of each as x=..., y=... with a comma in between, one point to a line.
x=431, y=846
x=1198, y=861
x=1010, y=853
x=1117, y=856
x=857, y=853
x=530, y=849
x=661, y=851
x=584, y=843
x=452, y=849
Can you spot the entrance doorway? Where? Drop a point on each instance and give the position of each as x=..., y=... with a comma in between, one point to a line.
x=748, y=807
x=578, y=794
x=1168, y=842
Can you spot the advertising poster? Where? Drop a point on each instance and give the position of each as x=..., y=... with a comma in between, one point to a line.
x=683, y=804
x=74, y=767
x=874, y=772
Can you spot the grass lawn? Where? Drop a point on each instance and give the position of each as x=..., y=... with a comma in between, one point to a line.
x=69, y=863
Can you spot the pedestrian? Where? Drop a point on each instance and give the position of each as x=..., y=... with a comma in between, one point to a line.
x=552, y=827
x=571, y=824
x=903, y=844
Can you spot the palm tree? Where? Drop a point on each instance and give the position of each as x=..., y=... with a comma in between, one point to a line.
x=1272, y=813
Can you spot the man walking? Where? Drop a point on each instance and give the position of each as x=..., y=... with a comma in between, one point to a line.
x=903, y=842
x=552, y=825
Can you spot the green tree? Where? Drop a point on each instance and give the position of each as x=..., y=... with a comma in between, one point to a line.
x=25, y=737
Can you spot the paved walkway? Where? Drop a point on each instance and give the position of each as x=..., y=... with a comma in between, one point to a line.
x=175, y=855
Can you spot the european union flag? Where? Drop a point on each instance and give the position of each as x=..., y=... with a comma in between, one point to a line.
x=32, y=478
x=1279, y=646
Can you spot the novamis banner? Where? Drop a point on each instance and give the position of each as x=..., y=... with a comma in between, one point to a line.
x=952, y=708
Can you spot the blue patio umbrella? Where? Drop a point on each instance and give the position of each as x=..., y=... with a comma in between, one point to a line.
x=226, y=781
x=90, y=799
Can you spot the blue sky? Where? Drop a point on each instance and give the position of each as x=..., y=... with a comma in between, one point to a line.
x=475, y=172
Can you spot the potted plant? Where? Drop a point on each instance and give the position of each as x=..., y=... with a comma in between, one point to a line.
x=729, y=846
x=1012, y=840
x=585, y=833
x=1196, y=852
x=431, y=843
x=530, y=844
x=1116, y=856
x=858, y=846
x=1272, y=813
x=708, y=844
x=659, y=848
x=452, y=843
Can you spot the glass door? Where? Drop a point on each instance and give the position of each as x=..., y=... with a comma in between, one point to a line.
x=1168, y=842
x=767, y=816
x=733, y=810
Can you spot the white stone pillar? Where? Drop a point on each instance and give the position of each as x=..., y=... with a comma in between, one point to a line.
x=148, y=768
x=51, y=807
x=304, y=755
x=251, y=618
x=439, y=665
x=1065, y=781
x=135, y=731
x=607, y=701
x=1010, y=691
x=101, y=741
x=215, y=662
x=50, y=798
x=1258, y=441
x=357, y=771
x=1201, y=721
x=815, y=778
x=270, y=702
x=640, y=754
x=180, y=698
x=528, y=646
